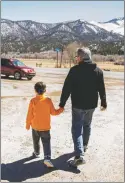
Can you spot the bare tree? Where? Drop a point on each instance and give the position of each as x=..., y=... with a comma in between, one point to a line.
x=65, y=58
x=61, y=47
x=61, y=59
x=71, y=50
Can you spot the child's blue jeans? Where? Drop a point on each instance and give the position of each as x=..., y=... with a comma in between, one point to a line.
x=45, y=138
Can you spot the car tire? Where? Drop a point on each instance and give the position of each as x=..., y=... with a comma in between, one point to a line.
x=29, y=78
x=17, y=75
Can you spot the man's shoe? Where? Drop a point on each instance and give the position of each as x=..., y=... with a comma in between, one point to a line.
x=35, y=155
x=48, y=163
x=76, y=162
x=79, y=161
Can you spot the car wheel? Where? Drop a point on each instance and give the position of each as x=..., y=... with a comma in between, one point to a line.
x=17, y=75
x=29, y=78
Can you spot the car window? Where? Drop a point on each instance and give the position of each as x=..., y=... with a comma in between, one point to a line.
x=5, y=62
x=18, y=63
x=2, y=62
x=10, y=63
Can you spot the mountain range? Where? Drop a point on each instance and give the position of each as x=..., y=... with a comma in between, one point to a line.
x=28, y=35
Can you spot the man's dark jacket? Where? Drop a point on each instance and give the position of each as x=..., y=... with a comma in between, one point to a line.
x=84, y=82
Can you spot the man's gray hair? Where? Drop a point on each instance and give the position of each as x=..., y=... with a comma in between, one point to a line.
x=84, y=53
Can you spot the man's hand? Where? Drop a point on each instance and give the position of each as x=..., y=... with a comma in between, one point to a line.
x=103, y=105
x=27, y=126
x=102, y=108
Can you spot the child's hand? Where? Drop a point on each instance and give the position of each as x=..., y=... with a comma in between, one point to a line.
x=62, y=109
x=27, y=126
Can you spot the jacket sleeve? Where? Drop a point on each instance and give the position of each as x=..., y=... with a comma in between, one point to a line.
x=29, y=114
x=101, y=89
x=54, y=111
x=66, y=91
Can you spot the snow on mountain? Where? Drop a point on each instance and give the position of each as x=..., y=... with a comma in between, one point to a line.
x=107, y=26
x=115, y=25
x=120, y=30
x=117, y=21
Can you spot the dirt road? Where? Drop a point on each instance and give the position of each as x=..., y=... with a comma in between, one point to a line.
x=104, y=158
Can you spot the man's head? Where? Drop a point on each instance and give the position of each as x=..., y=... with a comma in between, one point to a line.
x=83, y=54
x=40, y=88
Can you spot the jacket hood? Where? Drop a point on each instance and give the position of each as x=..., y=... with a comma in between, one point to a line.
x=88, y=64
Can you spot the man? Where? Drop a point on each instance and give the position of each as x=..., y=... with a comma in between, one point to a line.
x=84, y=81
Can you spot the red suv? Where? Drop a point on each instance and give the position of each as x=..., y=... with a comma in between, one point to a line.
x=16, y=68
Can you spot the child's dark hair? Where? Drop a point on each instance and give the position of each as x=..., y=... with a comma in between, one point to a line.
x=40, y=88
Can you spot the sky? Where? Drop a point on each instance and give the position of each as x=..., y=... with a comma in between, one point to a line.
x=58, y=11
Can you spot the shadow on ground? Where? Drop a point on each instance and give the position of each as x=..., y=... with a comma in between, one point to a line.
x=19, y=171
x=12, y=78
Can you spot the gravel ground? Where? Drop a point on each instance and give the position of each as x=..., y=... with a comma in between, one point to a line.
x=104, y=158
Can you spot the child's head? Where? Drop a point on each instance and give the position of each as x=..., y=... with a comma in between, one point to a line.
x=40, y=88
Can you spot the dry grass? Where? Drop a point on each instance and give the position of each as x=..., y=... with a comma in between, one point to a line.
x=52, y=63
x=110, y=66
x=45, y=62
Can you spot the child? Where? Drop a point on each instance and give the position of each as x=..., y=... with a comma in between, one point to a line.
x=38, y=117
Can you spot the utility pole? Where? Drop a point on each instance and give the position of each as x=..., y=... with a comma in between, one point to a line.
x=57, y=58
x=57, y=51
x=61, y=58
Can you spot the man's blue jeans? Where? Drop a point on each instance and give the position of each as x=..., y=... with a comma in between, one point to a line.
x=81, y=128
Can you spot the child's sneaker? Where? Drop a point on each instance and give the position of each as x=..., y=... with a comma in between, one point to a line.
x=48, y=163
x=35, y=155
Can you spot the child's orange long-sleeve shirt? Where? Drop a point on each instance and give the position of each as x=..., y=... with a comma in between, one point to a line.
x=40, y=109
